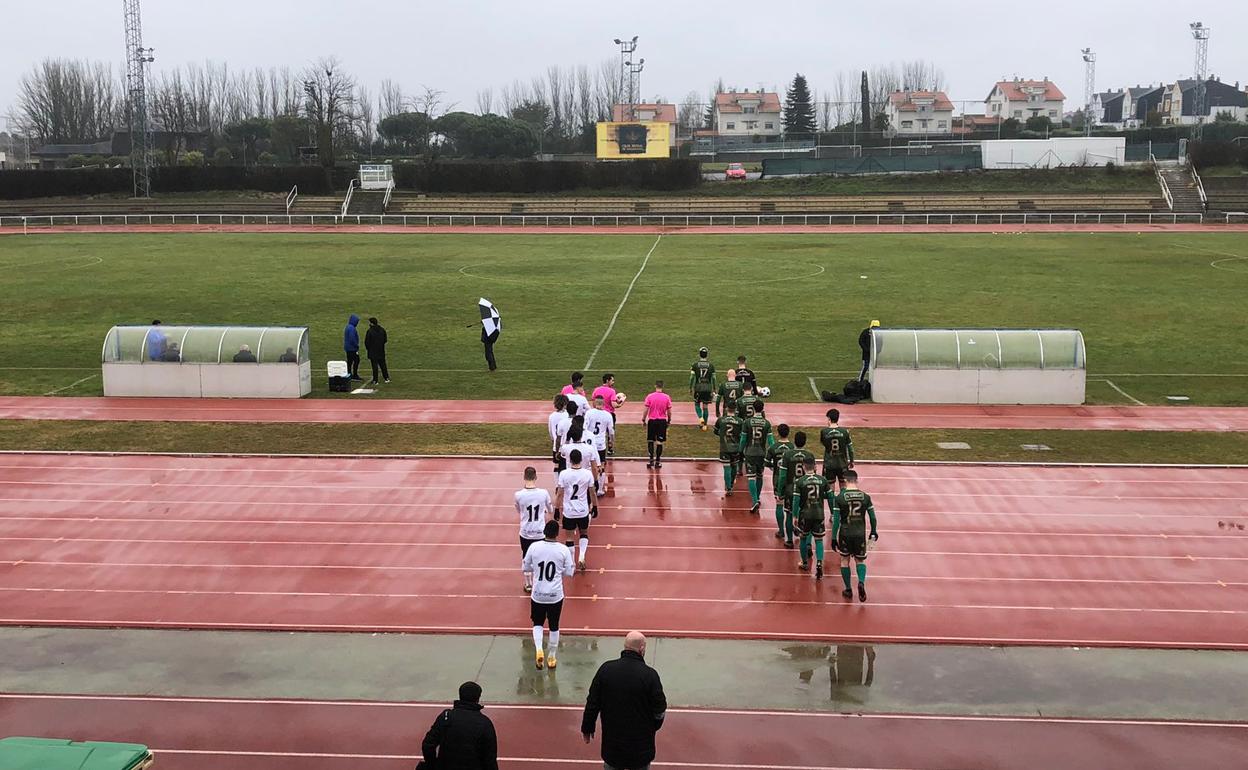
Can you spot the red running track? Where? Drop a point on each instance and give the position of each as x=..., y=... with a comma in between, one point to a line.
x=1138, y=557
x=412, y=411
x=203, y=734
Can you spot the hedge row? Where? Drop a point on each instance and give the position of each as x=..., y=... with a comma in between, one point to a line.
x=101, y=181
x=549, y=176
x=1205, y=154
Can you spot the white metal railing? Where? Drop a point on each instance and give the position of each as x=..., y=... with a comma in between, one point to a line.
x=290, y=199
x=385, y=204
x=1165, y=188
x=1200, y=186
x=346, y=202
x=615, y=220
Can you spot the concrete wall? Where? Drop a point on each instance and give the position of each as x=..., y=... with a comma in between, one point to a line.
x=978, y=386
x=208, y=380
x=1049, y=153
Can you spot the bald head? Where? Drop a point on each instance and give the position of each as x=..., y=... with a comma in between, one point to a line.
x=635, y=641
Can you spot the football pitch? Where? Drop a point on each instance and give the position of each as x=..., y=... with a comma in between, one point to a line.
x=1162, y=313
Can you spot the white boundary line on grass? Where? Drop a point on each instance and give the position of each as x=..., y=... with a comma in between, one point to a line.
x=589, y=364
x=1122, y=392
x=71, y=385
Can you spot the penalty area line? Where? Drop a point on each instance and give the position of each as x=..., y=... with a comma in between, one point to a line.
x=589, y=363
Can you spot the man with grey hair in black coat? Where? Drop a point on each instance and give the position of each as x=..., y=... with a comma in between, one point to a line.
x=628, y=695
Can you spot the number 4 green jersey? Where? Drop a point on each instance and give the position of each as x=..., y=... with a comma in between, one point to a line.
x=810, y=493
x=838, y=450
x=756, y=436
x=729, y=391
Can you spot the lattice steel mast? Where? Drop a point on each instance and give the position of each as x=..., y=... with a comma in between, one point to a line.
x=1089, y=91
x=1200, y=33
x=137, y=59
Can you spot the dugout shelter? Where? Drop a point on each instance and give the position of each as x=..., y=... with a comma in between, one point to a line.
x=977, y=366
x=207, y=361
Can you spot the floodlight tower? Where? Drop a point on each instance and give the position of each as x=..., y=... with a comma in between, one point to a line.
x=626, y=50
x=137, y=59
x=1089, y=90
x=1200, y=33
x=634, y=86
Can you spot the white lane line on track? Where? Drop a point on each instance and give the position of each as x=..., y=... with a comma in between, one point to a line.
x=590, y=363
x=613, y=631
x=677, y=710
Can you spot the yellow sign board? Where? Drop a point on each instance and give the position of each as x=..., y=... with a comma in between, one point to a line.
x=641, y=139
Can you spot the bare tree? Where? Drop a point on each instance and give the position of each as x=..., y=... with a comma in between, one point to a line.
x=390, y=99
x=884, y=80
x=823, y=110
x=63, y=101
x=367, y=123
x=331, y=104
x=485, y=101
x=690, y=114
x=922, y=75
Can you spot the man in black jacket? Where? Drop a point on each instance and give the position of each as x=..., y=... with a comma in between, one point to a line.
x=864, y=342
x=375, y=345
x=629, y=696
x=462, y=738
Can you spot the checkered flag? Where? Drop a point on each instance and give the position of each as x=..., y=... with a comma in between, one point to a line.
x=490, y=319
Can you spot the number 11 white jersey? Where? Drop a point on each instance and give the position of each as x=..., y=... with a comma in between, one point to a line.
x=532, y=505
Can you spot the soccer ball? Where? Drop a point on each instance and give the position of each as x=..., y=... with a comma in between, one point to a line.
x=764, y=392
x=620, y=398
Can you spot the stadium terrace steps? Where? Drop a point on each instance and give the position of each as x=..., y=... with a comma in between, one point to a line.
x=410, y=203
x=1182, y=190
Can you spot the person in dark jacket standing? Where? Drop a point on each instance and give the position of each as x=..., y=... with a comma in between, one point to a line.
x=628, y=695
x=351, y=346
x=375, y=344
x=462, y=738
x=864, y=342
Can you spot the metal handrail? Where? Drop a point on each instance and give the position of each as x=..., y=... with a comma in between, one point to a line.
x=1165, y=188
x=385, y=204
x=1200, y=186
x=290, y=199
x=346, y=202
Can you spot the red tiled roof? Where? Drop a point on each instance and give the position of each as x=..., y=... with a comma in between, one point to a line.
x=663, y=113
x=728, y=102
x=904, y=101
x=1013, y=90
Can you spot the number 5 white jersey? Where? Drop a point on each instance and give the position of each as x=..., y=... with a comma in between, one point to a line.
x=532, y=505
x=599, y=425
x=577, y=485
x=549, y=563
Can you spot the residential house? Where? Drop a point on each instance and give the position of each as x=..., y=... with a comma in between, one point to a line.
x=1140, y=101
x=58, y=155
x=1108, y=108
x=919, y=112
x=646, y=113
x=1178, y=103
x=748, y=113
x=971, y=124
x=1025, y=99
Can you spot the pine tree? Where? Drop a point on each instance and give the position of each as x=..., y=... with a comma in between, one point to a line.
x=866, y=104
x=799, y=112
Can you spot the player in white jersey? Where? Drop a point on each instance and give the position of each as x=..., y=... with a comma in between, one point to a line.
x=600, y=428
x=576, y=501
x=579, y=438
x=552, y=428
x=578, y=397
x=532, y=504
x=562, y=427
x=550, y=562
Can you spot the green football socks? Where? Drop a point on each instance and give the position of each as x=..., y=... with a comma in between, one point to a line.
x=728, y=476
x=754, y=489
x=862, y=573
x=845, y=575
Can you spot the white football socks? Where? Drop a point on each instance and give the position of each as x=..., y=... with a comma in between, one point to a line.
x=537, y=637
x=584, y=547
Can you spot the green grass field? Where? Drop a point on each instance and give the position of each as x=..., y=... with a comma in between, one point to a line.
x=1157, y=317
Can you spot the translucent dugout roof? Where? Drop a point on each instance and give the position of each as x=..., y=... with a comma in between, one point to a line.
x=206, y=344
x=978, y=349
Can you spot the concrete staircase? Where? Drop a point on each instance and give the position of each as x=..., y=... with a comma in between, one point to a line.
x=1183, y=191
x=367, y=202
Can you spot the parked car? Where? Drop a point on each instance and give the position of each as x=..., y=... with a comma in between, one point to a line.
x=734, y=171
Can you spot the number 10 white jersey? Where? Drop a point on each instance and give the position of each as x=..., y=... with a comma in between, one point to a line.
x=549, y=563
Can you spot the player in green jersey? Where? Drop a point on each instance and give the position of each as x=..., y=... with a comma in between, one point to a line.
x=796, y=462
x=775, y=453
x=729, y=391
x=850, y=513
x=702, y=386
x=728, y=428
x=748, y=404
x=810, y=492
x=756, y=439
x=838, y=450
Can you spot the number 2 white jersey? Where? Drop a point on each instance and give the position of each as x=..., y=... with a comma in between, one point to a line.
x=599, y=425
x=532, y=505
x=577, y=485
x=549, y=563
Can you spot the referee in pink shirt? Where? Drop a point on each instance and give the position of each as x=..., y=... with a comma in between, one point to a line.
x=607, y=391
x=657, y=415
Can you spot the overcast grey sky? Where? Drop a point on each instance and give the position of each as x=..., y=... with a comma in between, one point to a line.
x=466, y=45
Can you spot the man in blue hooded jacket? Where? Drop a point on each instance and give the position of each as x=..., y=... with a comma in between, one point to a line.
x=351, y=346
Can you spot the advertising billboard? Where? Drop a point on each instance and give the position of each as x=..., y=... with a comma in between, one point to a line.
x=625, y=141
